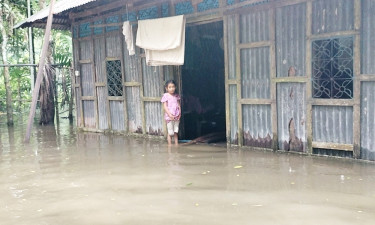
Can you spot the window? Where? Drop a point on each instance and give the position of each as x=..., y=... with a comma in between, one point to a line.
x=114, y=78
x=332, y=68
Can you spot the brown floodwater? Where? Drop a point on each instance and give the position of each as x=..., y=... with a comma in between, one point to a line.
x=75, y=178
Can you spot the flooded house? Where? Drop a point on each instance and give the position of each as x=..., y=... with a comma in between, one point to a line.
x=291, y=75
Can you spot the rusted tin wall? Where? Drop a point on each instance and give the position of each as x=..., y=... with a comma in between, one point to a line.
x=331, y=16
x=368, y=37
x=117, y=115
x=291, y=110
x=102, y=92
x=114, y=50
x=291, y=39
x=152, y=88
x=368, y=121
x=113, y=46
x=254, y=27
x=233, y=114
x=87, y=83
x=255, y=73
x=257, y=126
x=89, y=114
x=332, y=124
x=132, y=93
x=231, y=32
x=76, y=82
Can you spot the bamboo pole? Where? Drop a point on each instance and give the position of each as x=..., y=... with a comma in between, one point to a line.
x=40, y=73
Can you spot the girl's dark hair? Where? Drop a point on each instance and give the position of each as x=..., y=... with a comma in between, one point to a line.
x=170, y=82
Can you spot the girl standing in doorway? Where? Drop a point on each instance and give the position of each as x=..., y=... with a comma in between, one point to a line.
x=172, y=109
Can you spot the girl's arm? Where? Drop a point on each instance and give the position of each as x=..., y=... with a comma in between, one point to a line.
x=179, y=109
x=165, y=106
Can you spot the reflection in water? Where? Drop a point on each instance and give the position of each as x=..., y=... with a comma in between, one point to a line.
x=69, y=177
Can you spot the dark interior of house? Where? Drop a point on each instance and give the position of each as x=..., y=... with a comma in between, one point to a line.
x=203, y=81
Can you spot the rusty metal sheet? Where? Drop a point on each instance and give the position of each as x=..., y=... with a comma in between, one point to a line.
x=233, y=114
x=368, y=121
x=368, y=37
x=254, y=27
x=133, y=103
x=89, y=114
x=290, y=39
x=291, y=114
x=255, y=73
x=117, y=115
x=257, y=125
x=332, y=16
x=332, y=124
x=154, y=118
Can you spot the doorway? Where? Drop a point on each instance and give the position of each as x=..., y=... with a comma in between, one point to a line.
x=203, y=81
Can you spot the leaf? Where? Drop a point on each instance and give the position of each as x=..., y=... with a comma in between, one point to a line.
x=237, y=167
x=189, y=184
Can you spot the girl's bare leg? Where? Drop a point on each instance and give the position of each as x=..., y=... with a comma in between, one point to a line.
x=175, y=138
x=169, y=140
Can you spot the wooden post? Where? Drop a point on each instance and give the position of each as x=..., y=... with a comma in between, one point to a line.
x=40, y=73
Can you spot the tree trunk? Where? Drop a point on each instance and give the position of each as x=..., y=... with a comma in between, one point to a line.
x=47, y=91
x=8, y=89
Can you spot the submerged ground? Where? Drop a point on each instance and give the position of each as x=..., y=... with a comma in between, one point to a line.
x=68, y=177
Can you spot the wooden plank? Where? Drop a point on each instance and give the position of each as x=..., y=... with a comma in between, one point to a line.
x=151, y=99
x=246, y=101
x=226, y=77
x=334, y=34
x=93, y=81
x=272, y=31
x=255, y=44
x=290, y=80
x=115, y=98
x=308, y=75
x=108, y=108
x=125, y=106
x=88, y=98
x=238, y=78
x=332, y=102
x=335, y=146
x=132, y=84
x=40, y=71
x=357, y=82
x=367, y=77
x=232, y=82
x=85, y=61
x=100, y=84
x=261, y=7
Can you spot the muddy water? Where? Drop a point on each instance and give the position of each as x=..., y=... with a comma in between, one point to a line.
x=64, y=177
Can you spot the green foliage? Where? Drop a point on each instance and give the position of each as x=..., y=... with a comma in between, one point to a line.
x=18, y=52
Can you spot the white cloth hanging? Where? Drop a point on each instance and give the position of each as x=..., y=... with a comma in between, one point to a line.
x=127, y=31
x=163, y=40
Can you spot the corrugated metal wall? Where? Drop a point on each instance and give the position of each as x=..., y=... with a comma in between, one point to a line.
x=233, y=114
x=368, y=121
x=291, y=39
x=368, y=37
x=102, y=92
x=89, y=114
x=117, y=115
x=133, y=94
x=331, y=16
x=291, y=116
x=257, y=126
x=152, y=87
x=114, y=50
x=332, y=124
x=231, y=47
x=255, y=73
x=254, y=27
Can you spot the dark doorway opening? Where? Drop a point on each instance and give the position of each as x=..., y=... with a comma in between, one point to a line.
x=203, y=81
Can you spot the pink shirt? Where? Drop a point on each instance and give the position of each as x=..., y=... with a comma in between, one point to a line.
x=172, y=104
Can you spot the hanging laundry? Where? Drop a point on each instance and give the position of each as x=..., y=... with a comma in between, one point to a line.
x=163, y=40
x=127, y=31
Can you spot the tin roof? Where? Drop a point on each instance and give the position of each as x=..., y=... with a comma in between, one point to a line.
x=60, y=18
